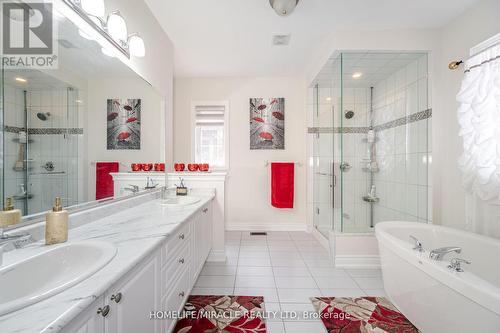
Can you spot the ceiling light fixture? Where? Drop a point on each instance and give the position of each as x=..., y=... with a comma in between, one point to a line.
x=283, y=7
x=20, y=79
x=357, y=75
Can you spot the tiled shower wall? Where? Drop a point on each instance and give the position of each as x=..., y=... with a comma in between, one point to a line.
x=402, y=122
x=58, y=140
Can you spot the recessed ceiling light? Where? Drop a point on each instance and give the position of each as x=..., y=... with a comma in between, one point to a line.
x=20, y=79
x=79, y=101
x=328, y=99
x=357, y=75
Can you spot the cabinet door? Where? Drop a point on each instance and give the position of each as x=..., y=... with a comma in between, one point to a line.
x=134, y=299
x=90, y=320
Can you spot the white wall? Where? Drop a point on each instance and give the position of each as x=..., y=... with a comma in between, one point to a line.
x=247, y=191
x=467, y=30
x=152, y=124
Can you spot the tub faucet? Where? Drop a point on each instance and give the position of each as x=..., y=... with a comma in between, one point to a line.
x=455, y=264
x=438, y=254
x=418, y=245
x=17, y=240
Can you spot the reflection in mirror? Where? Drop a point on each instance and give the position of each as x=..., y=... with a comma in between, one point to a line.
x=54, y=125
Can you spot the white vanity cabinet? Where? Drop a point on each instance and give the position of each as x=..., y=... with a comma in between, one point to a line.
x=161, y=283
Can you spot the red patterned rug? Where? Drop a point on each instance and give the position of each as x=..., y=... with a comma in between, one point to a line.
x=222, y=314
x=361, y=315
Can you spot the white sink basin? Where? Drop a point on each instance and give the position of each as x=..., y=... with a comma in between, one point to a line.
x=53, y=271
x=180, y=201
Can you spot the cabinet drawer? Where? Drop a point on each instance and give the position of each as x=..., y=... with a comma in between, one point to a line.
x=177, y=261
x=175, y=240
x=175, y=300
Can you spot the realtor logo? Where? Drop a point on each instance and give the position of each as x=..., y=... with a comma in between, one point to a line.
x=28, y=35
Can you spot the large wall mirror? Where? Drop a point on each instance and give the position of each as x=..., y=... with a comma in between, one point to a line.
x=57, y=125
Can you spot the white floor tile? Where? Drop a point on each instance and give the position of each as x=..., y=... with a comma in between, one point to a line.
x=375, y=292
x=257, y=248
x=253, y=254
x=370, y=282
x=304, y=326
x=254, y=271
x=319, y=263
x=255, y=282
x=230, y=261
x=277, y=255
x=315, y=255
x=270, y=294
x=338, y=282
x=212, y=291
x=300, y=235
x=295, y=282
x=254, y=262
x=297, y=295
x=218, y=270
x=327, y=272
x=291, y=262
x=216, y=281
x=275, y=327
x=303, y=311
x=364, y=272
x=273, y=311
x=254, y=242
x=278, y=235
x=356, y=292
x=291, y=271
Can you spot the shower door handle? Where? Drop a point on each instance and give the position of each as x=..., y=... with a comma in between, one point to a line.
x=344, y=167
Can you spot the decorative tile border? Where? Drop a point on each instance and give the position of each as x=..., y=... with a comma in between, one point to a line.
x=422, y=115
x=44, y=131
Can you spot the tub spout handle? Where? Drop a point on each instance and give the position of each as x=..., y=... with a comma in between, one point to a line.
x=418, y=245
x=455, y=264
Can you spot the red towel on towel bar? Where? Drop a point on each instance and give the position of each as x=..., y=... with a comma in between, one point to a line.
x=104, y=185
x=282, y=183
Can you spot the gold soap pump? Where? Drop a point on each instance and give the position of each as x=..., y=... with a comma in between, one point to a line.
x=56, y=225
x=9, y=215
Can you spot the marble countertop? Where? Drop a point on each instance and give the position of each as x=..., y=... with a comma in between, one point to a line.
x=136, y=232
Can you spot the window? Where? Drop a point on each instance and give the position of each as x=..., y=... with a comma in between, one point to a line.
x=210, y=139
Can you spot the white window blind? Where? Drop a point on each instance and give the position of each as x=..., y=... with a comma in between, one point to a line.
x=210, y=131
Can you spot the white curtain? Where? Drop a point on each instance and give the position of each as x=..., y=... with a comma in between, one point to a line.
x=479, y=118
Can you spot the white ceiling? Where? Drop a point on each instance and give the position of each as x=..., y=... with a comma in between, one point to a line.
x=233, y=37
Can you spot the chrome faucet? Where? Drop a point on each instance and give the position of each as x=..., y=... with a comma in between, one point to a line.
x=133, y=188
x=17, y=240
x=438, y=254
x=418, y=245
x=455, y=264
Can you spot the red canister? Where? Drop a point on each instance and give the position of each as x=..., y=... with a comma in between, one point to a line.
x=178, y=167
x=193, y=167
x=159, y=166
x=203, y=167
x=136, y=167
x=147, y=166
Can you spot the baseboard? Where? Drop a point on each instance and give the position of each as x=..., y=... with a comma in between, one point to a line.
x=267, y=227
x=321, y=239
x=357, y=261
x=217, y=256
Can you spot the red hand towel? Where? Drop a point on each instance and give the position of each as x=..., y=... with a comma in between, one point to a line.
x=282, y=183
x=104, y=185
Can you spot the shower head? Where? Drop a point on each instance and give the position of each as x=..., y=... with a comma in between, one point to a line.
x=349, y=114
x=43, y=116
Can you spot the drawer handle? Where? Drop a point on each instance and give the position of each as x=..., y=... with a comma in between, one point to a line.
x=181, y=236
x=181, y=261
x=104, y=311
x=181, y=294
x=205, y=210
x=117, y=298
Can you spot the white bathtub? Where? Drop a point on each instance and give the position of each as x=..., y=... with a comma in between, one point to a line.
x=434, y=298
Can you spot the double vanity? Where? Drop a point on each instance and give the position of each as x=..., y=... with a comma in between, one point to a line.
x=127, y=267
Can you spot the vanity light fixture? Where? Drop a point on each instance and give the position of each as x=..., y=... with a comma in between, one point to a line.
x=283, y=7
x=136, y=45
x=117, y=27
x=20, y=79
x=93, y=7
x=357, y=75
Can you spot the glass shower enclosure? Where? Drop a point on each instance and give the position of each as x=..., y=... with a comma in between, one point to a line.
x=40, y=132
x=370, y=141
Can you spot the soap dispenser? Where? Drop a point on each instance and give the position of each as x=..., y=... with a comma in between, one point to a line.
x=9, y=215
x=56, y=224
